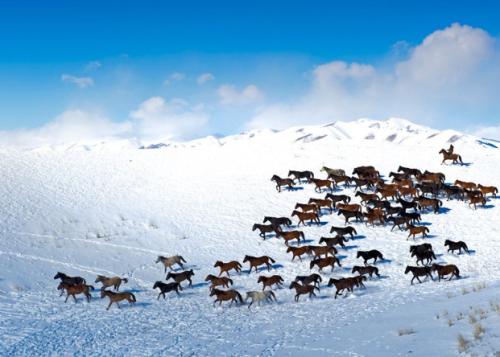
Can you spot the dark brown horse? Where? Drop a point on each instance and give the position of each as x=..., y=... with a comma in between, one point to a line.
x=265, y=228
x=308, y=175
x=319, y=250
x=365, y=197
x=303, y=290
x=306, y=207
x=270, y=281
x=367, y=269
x=477, y=200
x=314, y=279
x=443, y=270
x=427, y=255
x=349, y=214
x=342, y=231
x=180, y=277
x=353, y=207
x=282, y=182
x=278, y=221
x=414, y=230
x=255, y=262
x=341, y=285
x=325, y=262
x=322, y=203
x=226, y=267
x=330, y=242
x=338, y=198
x=452, y=246
x=419, y=272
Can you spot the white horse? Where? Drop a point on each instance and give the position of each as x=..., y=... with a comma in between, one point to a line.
x=259, y=296
x=169, y=261
x=336, y=172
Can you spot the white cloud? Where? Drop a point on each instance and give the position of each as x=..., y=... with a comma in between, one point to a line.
x=205, y=77
x=70, y=126
x=82, y=82
x=230, y=95
x=174, y=77
x=452, y=76
x=157, y=119
x=92, y=66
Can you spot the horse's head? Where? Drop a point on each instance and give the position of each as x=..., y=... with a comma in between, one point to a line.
x=359, y=254
x=293, y=285
x=59, y=275
x=191, y=272
x=60, y=286
x=354, y=269
x=214, y=291
x=261, y=278
x=247, y=258
x=169, y=275
x=290, y=173
x=159, y=259
x=254, y=227
x=209, y=277
x=218, y=263
x=289, y=249
x=156, y=284
x=407, y=270
x=99, y=278
x=275, y=178
x=294, y=213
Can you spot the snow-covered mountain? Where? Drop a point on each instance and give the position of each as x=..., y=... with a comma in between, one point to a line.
x=111, y=208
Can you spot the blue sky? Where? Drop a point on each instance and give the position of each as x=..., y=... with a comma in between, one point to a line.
x=140, y=63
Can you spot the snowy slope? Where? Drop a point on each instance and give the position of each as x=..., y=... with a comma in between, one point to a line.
x=112, y=208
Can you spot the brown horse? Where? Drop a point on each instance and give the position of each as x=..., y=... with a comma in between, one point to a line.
x=319, y=250
x=477, y=200
x=288, y=236
x=303, y=290
x=117, y=297
x=322, y=203
x=226, y=267
x=373, y=215
x=323, y=183
x=265, y=228
x=443, y=270
x=72, y=290
x=424, y=203
x=180, y=277
x=218, y=281
x=341, y=285
x=304, y=216
x=452, y=157
x=365, y=197
x=488, y=189
x=270, y=281
x=226, y=295
x=282, y=182
x=114, y=281
x=306, y=207
x=340, y=179
x=255, y=262
x=298, y=251
x=388, y=193
x=414, y=230
x=301, y=174
x=324, y=262
x=354, y=207
x=342, y=231
x=418, y=272
x=349, y=214
x=407, y=191
x=465, y=184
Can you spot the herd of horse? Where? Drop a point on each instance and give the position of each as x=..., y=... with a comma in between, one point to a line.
x=398, y=203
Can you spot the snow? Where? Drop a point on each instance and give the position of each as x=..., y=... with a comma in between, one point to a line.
x=112, y=208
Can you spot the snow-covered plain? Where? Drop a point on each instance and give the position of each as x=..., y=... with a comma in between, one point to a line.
x=112, y=208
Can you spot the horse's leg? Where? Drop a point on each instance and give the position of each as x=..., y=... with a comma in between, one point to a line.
x=418, y=279
x=110, y=302
x=66, y=298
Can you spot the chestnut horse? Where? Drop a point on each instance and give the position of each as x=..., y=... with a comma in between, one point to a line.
x=414, y=230
x=114, y=281
x=452, y=157
x=368, y=269
x=323, y=183
x=218, y=281
x=488, y=189
x=298, y=251
x=287, y=236
x=314, y=279
x=226, y=295
x=304, y=216
x=324, y=262
x=265, y=228
x=72, y=290
x=226, y=267
x=341, y=285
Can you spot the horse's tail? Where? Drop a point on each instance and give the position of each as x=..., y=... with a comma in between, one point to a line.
x=440, y=203
x=239, y=297
x=495, y=189
x=312, y=174
x=274, y=261
x=230, y=280
x=132, y=297
x=427, y=230
x=466, y=248
x=460, y=158
x=239, y=265
x=90, y=287
x=125, y=280
x=457, y=272
x=301, y=234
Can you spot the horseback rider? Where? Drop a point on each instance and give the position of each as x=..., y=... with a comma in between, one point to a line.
x=450, y=149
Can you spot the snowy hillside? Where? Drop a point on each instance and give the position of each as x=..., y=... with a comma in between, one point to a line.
x=112, y=208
